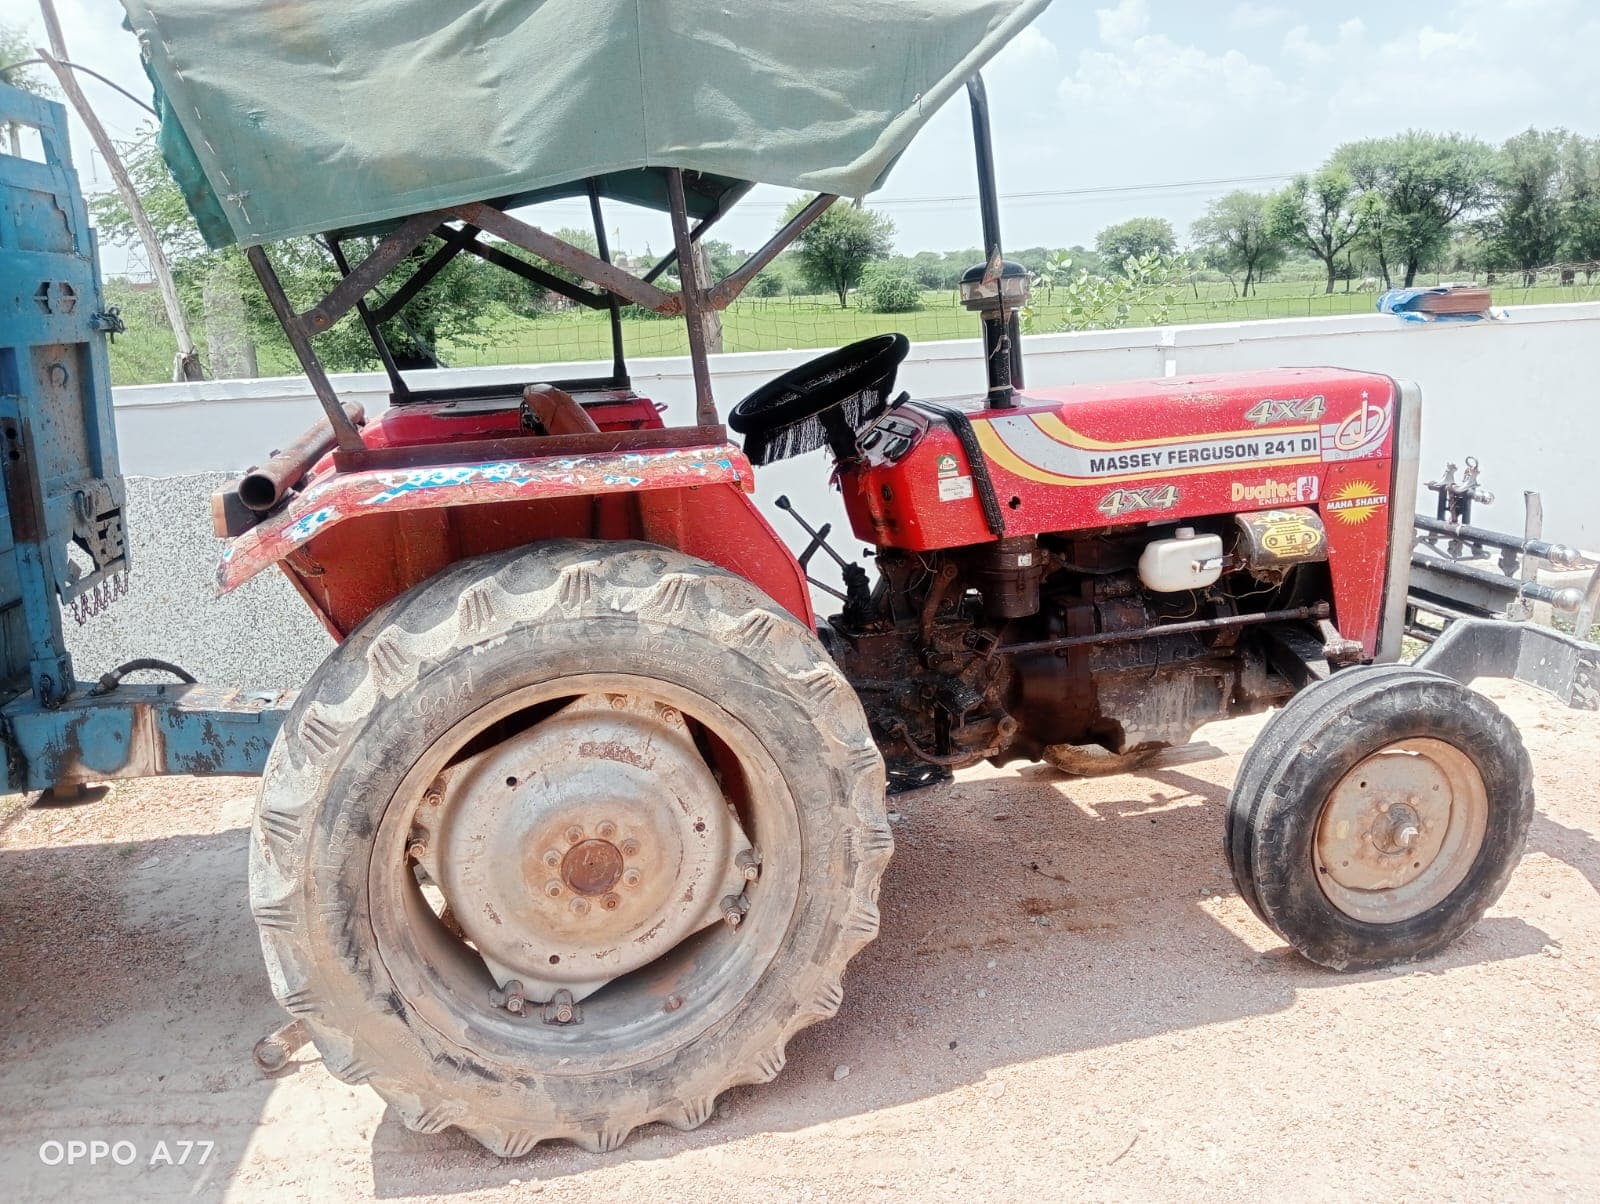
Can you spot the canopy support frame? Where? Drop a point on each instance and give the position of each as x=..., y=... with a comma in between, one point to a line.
x=705, y=404
x=345, y=434
x=374, y=332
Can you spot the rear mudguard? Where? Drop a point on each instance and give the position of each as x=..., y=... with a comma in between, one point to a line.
x=353, y=540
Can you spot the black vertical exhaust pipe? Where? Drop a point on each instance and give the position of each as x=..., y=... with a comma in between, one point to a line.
x=995, y=289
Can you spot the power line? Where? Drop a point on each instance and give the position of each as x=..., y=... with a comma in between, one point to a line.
x=1032, y=197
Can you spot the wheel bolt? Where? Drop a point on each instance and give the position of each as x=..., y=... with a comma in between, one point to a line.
x=552, y=888
x=607, y=830
x=631, y=878
x=552, y=859
x=618, y=701
x=1406, y=837
x=574, y=834
x=630, y=847
x=417, y=850
x=669, y=714
x=580, y=907
x=674, y=1002
x=748, y=863
x=611, y=902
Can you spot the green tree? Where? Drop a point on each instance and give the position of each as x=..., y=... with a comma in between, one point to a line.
x=1321, y=214
x=835, y=249
x=452, y=307
x=1580, y=197
x=1527, y=223
x=15, y=48
x=1133, y=239
x=1237, y=236
x=1419, y=185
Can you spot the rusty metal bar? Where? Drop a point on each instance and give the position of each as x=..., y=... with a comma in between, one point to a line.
x=724, y=203
x=619, y=364
x=536, y=274
x=1557, y=555
x=734, y=283
x=705, y=405
x=1320, y=611
x=344, y=295
x=419, y=279
x=345, y=433
x=390, y=368
x=564, y=254
x=262, y=488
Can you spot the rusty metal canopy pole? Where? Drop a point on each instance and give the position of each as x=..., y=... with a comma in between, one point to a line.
x=733, y=284
x=390, y=368
x=344, y=431
x=619, y=363
x=705, y=405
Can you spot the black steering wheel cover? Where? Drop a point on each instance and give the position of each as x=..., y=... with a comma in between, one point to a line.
x=799, y=394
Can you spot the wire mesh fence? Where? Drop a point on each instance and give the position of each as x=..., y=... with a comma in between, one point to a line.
x=801, y=322
x=144, y=354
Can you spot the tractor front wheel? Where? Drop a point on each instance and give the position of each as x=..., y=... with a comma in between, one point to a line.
x=567, y=840
x=1379, y=815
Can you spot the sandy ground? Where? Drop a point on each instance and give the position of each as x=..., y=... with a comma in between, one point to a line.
x=1067, y=1001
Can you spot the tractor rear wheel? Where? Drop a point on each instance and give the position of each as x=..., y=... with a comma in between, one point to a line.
x=568, y=840
x=1379, y=815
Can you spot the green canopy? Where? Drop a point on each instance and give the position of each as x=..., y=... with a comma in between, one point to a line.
x=288, y=117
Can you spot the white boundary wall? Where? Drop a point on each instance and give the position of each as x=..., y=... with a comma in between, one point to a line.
x=1522, y=394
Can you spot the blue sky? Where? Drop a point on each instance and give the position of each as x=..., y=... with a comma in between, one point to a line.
x=1148, y=92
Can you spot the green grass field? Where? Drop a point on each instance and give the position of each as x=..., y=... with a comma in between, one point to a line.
x=144, y=353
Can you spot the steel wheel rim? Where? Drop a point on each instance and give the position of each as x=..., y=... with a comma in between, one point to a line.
x=1401, y=831
x=648, y=1012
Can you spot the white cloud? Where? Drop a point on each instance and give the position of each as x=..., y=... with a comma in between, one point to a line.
x=1160, y=82
x=1256, y=16
x=1124, y=24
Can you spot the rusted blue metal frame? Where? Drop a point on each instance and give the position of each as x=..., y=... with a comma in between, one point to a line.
x=59, y=469
x=138, y=731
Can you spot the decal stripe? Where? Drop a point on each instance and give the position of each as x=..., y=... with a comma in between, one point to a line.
x=1021, y=446
x=1051, y=424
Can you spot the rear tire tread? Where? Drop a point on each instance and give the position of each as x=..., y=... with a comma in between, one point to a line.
x=658, y=588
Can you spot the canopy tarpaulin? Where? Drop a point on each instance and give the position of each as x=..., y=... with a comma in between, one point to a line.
x=288, y=117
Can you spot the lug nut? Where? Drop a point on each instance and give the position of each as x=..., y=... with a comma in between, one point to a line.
x=669, y=714
x=552, y=888
x=611, y=902
x=674, y=1002
x=618, y=701
x=580, y=907
x=630, y=847
x=607, y=830
x=417, y=850
x=574, y=834
x=631, y=878
x=749, y=863
x=552, y=859
x=733, y=908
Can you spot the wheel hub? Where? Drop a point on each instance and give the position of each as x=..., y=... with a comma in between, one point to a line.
x=592, y=867
x=1401, y=830
x=585, y=847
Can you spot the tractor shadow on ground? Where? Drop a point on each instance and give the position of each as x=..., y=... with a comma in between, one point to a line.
x=1025, y=916
x=1574, y=846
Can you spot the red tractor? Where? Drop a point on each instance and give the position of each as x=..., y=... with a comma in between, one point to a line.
x=584, y=817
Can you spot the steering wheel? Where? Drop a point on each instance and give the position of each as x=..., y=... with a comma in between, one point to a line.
x=824, y=400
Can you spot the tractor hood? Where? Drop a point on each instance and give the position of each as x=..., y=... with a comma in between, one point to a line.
x=290, y=117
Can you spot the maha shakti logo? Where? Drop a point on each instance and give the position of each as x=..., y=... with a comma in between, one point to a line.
x=1355, y=502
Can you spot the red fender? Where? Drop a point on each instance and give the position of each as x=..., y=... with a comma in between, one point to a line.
x=353, y=540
